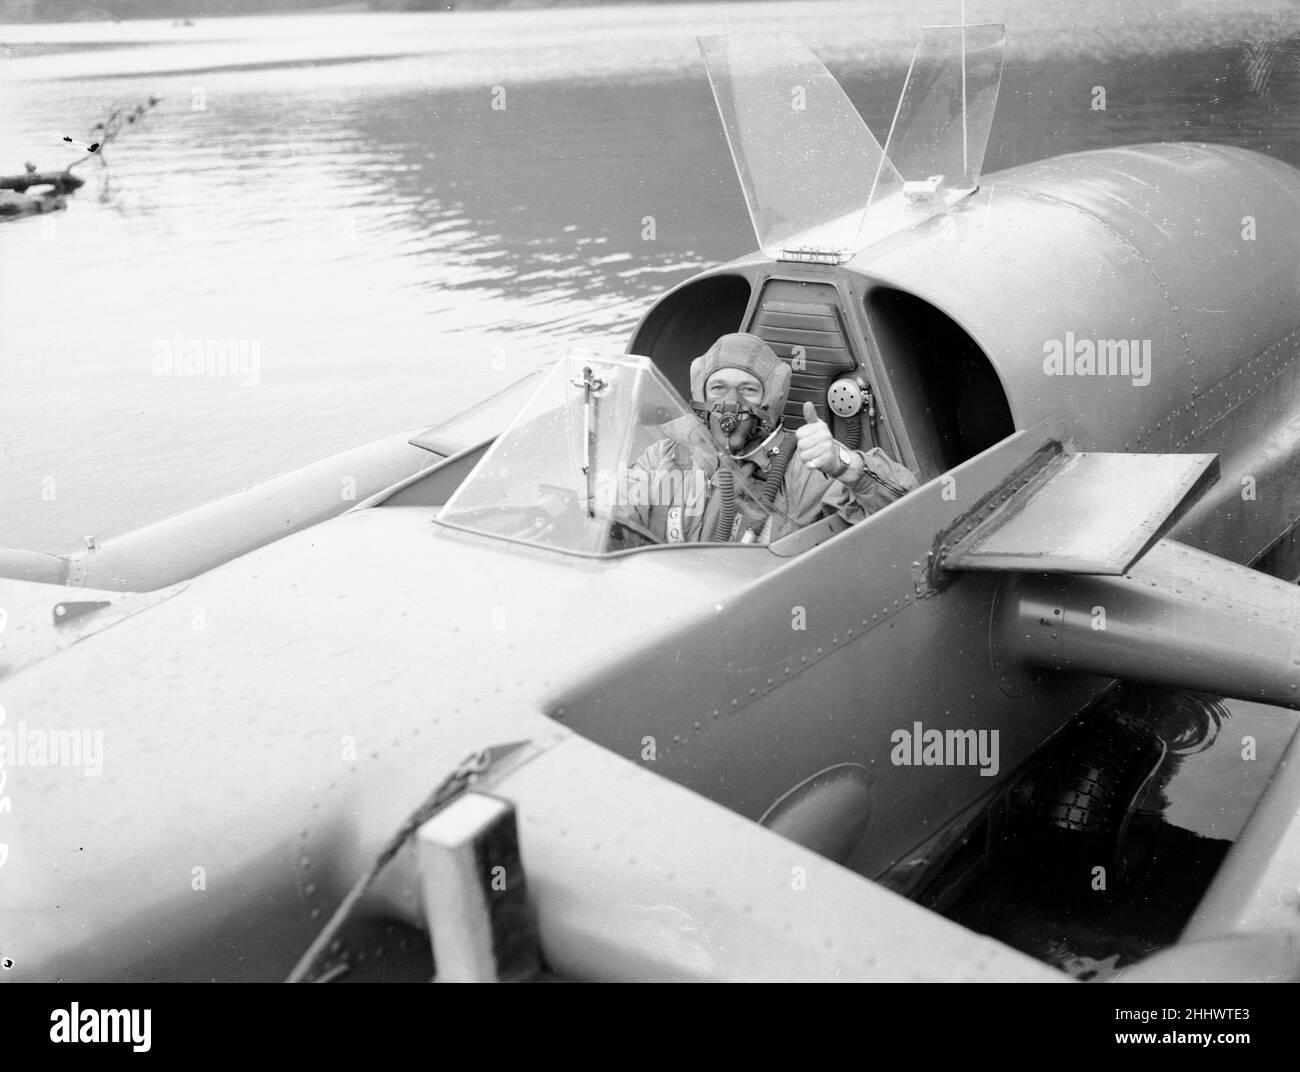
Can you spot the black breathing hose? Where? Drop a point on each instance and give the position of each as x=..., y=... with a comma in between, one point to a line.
x=774, y=478
x=775, y=475
x=853, y=432
x=727, y=518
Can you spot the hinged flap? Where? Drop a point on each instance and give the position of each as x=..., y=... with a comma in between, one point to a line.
x=1085, y=513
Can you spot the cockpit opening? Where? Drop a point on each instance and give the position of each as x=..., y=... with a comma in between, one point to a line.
x=951, y=400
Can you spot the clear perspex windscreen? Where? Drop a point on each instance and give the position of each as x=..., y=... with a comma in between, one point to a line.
x=603, y=458
x=815, y=179
x=807, y=162
x=946, y=108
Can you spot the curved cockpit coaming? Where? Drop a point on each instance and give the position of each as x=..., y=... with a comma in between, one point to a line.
x=929, y=395
x=687, y=321
x=947, y=391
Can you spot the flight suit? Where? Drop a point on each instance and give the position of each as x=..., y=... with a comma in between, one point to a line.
x=806, y=495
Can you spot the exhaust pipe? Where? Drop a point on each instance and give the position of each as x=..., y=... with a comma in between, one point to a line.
x=1180, y=618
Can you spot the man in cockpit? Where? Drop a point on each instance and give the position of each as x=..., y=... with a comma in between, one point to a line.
x=739, y=389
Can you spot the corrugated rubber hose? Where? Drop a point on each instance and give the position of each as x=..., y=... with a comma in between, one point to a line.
x=727, y=518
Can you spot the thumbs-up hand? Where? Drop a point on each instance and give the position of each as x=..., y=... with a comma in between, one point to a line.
x=817, y=447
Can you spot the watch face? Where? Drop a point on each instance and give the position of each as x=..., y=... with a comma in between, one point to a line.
x=846, y=457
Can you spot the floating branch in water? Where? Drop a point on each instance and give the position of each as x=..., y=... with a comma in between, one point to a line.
x=14, y=199
x=108, y=129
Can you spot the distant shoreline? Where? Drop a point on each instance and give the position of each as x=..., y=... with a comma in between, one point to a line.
x=630, y=39
x=1101, y=13
x=13, y=12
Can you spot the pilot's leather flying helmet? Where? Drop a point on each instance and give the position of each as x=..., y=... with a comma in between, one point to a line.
x=752, y=355
x=739, y=424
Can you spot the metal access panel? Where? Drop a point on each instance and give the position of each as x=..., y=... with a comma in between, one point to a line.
x=1084, y=513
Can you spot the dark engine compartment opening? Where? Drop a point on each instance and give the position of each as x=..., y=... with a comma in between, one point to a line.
x=952, y=401
x=686, y=323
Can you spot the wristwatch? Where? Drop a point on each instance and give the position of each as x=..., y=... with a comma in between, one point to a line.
x=846, y=459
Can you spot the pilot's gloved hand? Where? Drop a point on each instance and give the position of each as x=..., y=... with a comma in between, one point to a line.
x=817, y=447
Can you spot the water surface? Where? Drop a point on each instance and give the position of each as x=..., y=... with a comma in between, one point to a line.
x=340, y=190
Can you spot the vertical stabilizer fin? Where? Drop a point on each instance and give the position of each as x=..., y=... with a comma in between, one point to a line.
x=945, y=112
x=807, y=163
x=817, y=183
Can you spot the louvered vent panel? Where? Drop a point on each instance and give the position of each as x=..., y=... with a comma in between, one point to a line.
x=804, y=314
